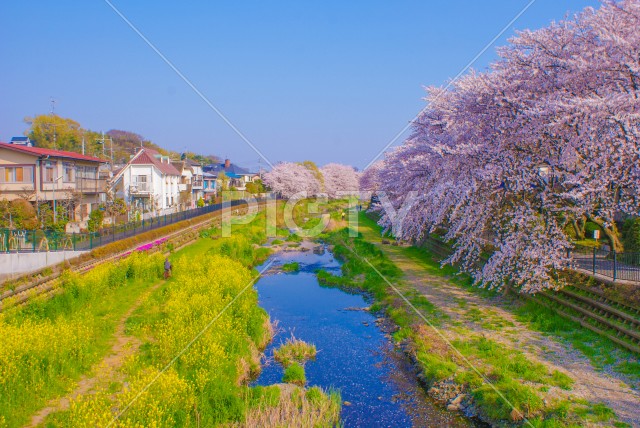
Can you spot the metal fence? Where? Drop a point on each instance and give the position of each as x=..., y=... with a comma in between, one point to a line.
x=622, y=266
x=12, y=241
x=611, y=264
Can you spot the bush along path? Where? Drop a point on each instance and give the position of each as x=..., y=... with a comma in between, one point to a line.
x=545, y=380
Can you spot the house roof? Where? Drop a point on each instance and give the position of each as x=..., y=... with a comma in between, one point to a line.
x=183, y=165
x=148, y=157
x=232, y=169
x=191, y=162
x=39, y=151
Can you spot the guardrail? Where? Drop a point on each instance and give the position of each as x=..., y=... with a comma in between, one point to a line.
x=611, y=264
x=30, y=241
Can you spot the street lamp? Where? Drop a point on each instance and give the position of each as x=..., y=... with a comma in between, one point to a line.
x=55, y=184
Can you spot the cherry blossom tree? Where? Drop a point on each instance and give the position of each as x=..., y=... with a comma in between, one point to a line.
x=339, y=180
x=505, y=160
x=287, y=179
x=368, y=180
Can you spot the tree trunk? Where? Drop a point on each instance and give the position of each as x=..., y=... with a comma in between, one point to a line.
x=611, y=233
x=576, y=227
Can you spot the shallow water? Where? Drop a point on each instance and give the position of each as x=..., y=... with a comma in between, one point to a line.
x=354, y=355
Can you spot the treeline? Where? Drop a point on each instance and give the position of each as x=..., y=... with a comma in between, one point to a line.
x=56, y=132
x=334, y=180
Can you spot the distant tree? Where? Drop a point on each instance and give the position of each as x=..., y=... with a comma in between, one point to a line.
x=369, y=180
x=288, y=178
x=339, y=179
x=255, y=187
x=53, y=131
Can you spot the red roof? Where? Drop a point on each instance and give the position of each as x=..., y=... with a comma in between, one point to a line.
x=39, y=151
x=147, y=157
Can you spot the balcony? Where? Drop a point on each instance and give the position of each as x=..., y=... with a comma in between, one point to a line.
x=140, y=189
x=91, y=185
x=196, y=184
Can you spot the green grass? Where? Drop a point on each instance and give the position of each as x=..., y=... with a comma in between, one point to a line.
x=294, y=351
x=294, y=374
x=601, y=351
x=291, y=267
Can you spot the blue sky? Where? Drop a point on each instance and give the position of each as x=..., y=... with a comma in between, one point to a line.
x=330, y=81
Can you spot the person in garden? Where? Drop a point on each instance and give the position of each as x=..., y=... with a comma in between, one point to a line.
x=167, y=268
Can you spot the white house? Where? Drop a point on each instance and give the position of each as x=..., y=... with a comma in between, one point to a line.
x=191, y=182
x=148, y=183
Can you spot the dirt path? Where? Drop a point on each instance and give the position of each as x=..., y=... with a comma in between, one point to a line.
x=105, y=370
x=473, y=312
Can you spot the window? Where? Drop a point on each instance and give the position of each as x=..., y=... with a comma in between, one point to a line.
x=16, y=174
x=69, y=172
x=50, y=171
x=87, y=172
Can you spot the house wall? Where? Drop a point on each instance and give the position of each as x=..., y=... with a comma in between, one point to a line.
x=12, y=191
x=161, y=187
x=87, y=194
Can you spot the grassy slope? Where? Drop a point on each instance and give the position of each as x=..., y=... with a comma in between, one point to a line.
x=602, y=352
x=522, y=381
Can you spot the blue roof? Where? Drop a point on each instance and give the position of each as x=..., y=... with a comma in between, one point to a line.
x=232, y=169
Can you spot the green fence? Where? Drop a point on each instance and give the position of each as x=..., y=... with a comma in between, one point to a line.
x=12, y=240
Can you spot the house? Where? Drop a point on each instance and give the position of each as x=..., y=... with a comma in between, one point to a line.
x=55, y=177
x=238, y=176
x=21, y=141
x=209, y=186
x=197, y=180
x=191, y=182
x=148, y=183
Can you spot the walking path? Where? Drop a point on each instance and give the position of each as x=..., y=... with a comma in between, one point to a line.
x=472, y=310
x=105, y=370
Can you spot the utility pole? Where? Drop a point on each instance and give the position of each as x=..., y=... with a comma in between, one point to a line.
x=53, y=113
x=103, y=141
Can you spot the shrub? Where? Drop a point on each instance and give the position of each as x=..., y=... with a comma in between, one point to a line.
x=294, y=374
x=291, y=267
x=96, y=217
x=294, y=351
x=631, y=235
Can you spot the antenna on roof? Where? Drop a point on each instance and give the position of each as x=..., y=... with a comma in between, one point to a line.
x=53, y=106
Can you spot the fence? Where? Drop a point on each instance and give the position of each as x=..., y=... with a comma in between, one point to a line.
x=622, y=266
x=41, y=240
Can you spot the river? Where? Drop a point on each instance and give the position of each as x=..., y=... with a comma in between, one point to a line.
x=355, y=354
